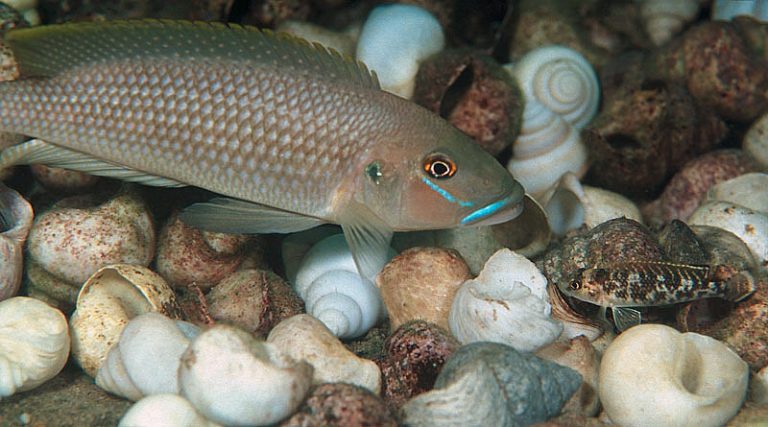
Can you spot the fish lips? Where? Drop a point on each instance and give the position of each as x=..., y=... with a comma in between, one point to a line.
x=505, y=209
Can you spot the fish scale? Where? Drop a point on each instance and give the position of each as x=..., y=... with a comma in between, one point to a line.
x=289, y=134
x=216, y=111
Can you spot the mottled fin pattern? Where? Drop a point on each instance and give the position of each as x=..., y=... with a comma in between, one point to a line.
x=368, y=238
x=52, y=49
x=37, y=151
x=226, y=215
x=739, y=286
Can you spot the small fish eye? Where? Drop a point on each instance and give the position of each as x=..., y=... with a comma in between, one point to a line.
x=439, y=166
x=575, y=285
x=373, y=170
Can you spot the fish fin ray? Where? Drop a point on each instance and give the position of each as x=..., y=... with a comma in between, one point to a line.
x=625, y=318
x=37, y=151
x=227, y=215
x=368, y=237
x=740, y=286
x=48, y=50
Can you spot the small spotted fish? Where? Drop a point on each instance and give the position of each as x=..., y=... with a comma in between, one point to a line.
x=289, y=134
x=644, y=283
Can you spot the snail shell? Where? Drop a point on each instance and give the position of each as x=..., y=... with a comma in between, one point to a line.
x=333, y=291
x=15, y=221
x=548, y=147
x=34, y=344
x=663, y=19
x=561, y=80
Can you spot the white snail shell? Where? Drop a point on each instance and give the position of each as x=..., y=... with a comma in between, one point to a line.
x=108, y=300
x=15, y=221
x=663, y=19
x=726, y=10
x=302, y=337
x=333, y=291
x=548, y=147
x=507, y=303
x=748, y=225
x=755, y=141
x=569, y=205
x=34, y=344
x=562, y=80
x=146, y=359
x=168, y=410
x=234, y=379
x=653, y=375
x=394, y=40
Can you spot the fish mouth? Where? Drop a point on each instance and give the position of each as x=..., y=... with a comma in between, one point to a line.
x=502, y=210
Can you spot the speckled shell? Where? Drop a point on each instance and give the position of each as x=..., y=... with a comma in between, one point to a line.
x=302, y=337
x=688, y=379
x=561, y=80
x=34, y=344
x=108, y=300
x=72, y=240
x=15, y=221
x=339, y=404
x=507, y=303
x=188, y=255
x=233, y=379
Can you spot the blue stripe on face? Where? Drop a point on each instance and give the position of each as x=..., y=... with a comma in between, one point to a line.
x=446, y=195
x=486, y=211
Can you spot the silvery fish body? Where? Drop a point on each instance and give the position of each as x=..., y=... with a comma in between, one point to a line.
x=291, y=134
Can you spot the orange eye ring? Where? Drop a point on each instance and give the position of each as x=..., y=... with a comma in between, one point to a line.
x=575, y=285
x=439, y=166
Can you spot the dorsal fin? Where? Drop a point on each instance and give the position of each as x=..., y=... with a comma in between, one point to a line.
x=49, y=50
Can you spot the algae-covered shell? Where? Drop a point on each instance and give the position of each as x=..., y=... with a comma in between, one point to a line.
x=492, y=384
x=15, y=221
x=34, y=344
x=654, y=375
x=108, y=300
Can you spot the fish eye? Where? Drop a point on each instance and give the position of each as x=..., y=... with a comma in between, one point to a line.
x=575, y=285
x=373, y=170
x=439, y=166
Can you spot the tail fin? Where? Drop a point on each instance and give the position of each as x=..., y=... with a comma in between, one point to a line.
x=739, y=286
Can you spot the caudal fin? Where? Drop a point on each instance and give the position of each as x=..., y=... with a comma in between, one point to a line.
x=739, y=286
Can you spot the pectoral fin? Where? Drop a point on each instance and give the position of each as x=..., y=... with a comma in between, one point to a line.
x=368, y=237
x=625, y=318
x=37, y=151
x=235, y=216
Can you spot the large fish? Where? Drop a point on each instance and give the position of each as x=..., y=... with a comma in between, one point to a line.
x=292, y=135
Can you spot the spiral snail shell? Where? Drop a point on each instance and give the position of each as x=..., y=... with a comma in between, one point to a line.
x=333, y=291
x=561, y=80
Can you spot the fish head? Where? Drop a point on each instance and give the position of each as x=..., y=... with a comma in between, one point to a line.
x=442, y=179
x=586, y=285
